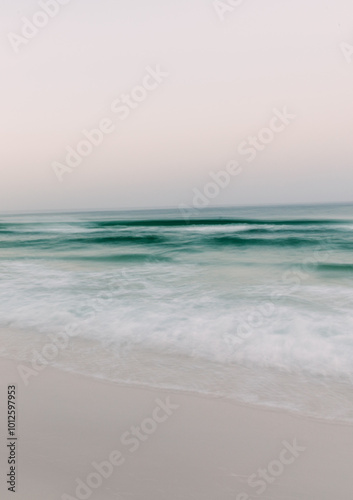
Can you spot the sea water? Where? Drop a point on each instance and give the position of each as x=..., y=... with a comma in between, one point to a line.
x=253, y=304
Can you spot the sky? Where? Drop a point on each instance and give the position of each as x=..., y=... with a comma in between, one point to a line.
x=175, y=92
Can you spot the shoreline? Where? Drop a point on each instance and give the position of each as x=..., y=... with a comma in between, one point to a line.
x=206, y=448
x=299, y=394
x=139, y=386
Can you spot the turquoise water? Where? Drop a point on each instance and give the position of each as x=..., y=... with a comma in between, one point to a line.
x=249, y=303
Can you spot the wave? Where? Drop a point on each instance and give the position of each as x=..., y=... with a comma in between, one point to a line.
x=335, y=267
x=212, y=222
x=113, y=239
x=181, y=241
x=254, y=242
x=128, y=257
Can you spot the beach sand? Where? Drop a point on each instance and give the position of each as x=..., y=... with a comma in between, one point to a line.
x=206, y=449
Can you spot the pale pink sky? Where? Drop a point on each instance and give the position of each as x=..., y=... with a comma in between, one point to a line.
x=225, y=79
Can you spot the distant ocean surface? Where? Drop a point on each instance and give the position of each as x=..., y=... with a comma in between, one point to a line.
x=253, y=304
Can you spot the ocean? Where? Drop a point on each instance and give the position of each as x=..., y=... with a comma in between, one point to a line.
x=251, y=304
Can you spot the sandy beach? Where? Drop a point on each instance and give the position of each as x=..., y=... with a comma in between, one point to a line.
x=80, y=437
